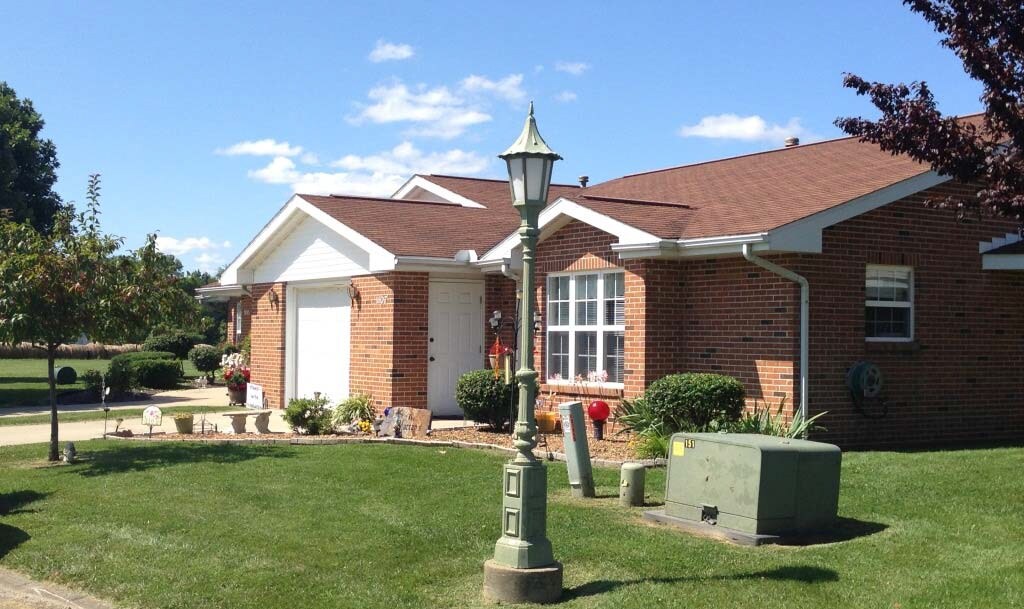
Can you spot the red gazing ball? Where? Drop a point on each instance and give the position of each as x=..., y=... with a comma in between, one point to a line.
x=598, y=410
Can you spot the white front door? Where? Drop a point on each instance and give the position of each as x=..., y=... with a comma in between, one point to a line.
x=456, y=340
x=322, y=318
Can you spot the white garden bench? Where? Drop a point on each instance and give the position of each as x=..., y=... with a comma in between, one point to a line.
x=238, y=419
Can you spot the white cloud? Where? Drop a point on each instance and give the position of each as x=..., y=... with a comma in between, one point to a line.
x=265, y=147
x=566, y=97
x=386, y=51
x=438, y=111
x=508, y=88
x=206, y=253
x=747, y=128
x=572, y=67
x=179, y=247
x=373, y=175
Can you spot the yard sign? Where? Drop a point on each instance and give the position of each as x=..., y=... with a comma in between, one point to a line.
x=253, y=396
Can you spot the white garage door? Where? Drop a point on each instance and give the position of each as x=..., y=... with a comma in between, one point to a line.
x=322, y=317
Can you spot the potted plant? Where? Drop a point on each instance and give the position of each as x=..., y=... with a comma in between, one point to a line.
x=184, y=421
x=236, y=377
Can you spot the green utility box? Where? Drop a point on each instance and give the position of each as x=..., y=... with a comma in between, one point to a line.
x=762, y=485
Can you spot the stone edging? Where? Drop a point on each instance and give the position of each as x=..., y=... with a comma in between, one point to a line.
x=321, y=441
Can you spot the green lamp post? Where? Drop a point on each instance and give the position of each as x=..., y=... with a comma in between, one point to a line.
x=523, y=568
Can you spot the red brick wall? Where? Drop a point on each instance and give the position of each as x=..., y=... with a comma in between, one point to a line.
x=499, y=295
x=268, y=343
x=389, y=339
x=654, y=322
x=961, y=379
x=246, y=319
x=741, y=320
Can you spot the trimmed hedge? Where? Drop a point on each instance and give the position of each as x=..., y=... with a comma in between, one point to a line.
x=695, y=401
x=177, y=342
x=485, y=399
x=121, y=375
x=156, y=373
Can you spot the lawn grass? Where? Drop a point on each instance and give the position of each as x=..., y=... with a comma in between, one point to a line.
x=23, y=381
x=97, y=415
x=204, y=526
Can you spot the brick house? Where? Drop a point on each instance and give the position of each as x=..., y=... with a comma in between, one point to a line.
x=783, y=268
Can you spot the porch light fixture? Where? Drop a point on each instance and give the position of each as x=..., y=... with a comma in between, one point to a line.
x=523, y=568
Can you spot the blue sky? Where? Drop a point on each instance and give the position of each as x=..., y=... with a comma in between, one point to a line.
x=204, y=117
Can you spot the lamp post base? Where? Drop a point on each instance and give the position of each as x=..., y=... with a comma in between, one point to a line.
x=503, y=584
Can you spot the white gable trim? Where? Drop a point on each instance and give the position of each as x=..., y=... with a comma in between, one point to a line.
x=559, y=214
x=424, y=183
x=804, y=235
x=238, y=272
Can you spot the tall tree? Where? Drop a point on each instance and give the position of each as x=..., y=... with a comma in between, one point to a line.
x=988, y=37
x=28, y=164
x=56, y=286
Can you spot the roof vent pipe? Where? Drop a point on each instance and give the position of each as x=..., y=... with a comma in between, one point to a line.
x=792, y=141
x=583, y=181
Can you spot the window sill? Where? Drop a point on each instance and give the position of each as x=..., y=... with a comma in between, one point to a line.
x=608, y=390
x=891, y=346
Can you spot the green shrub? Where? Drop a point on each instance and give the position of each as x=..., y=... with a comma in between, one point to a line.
x=695, y=401
x=156, y=373
x=309, y=416
x=680, y=402
x=228, y=349
x=245, y=348
x=206, y=358
x=358, y=407
x=121, y=376
x=485, y=399
x=760, y=420
x=93, y=380
x=177, y=342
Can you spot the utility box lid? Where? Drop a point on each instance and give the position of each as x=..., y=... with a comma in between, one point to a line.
x=753, y=483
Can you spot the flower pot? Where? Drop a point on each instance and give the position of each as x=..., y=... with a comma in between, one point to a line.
x=547, y=421
x=184, y=425
x=236, y=396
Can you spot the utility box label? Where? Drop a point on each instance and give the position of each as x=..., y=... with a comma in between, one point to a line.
x=677, y=449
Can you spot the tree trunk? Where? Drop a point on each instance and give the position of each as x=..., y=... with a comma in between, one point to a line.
x=51, y=354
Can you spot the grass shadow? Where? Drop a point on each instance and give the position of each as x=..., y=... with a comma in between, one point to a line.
x=845, y=530
x=10, y=538
x=797, y=573
x=138, y=457
x=13, y=502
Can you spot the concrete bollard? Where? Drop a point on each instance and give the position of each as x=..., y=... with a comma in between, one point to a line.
x=631, y=484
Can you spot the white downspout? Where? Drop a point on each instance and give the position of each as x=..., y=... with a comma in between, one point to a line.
x=805, y=301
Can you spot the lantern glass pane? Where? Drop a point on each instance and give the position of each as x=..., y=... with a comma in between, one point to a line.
x=517, y=177
x=534, y=178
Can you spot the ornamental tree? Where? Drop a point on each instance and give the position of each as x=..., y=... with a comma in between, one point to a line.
x=28, y=164
x=988, y=37
x=74, y=280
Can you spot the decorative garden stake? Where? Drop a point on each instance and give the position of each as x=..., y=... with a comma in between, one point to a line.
x=523, y=568
x=599, y=412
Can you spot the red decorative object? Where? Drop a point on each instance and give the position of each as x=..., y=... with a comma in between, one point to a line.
x=599, y=412
x=496, y=355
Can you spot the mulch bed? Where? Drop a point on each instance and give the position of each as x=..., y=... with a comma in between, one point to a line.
x=612, y=447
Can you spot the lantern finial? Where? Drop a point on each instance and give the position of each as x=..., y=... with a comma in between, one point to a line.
x=530, y=143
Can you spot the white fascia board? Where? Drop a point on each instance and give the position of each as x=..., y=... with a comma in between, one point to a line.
x=691, y=248
x=1002, y=262
x=436, y=264
x=220, y=293
x=563, y=209
x=237, y=273
x=425, y=184
x=804, y=235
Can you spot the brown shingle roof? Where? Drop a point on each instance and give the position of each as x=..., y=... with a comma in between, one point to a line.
x=750, y=193
x=420, y=228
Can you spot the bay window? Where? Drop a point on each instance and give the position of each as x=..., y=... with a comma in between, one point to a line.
x=586, y=326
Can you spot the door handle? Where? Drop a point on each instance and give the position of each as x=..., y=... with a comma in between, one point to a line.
x=431, y=358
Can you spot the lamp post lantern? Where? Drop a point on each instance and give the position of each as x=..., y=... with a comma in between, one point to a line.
x=524, y=567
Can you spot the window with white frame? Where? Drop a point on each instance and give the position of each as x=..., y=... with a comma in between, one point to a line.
x=889, y=303
x=238, y=319
x=586, y=326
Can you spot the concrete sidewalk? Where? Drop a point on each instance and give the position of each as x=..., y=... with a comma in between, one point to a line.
x=211, y=396
x=18, y=591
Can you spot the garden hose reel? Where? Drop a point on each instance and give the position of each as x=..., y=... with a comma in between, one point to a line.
x=865, y=381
